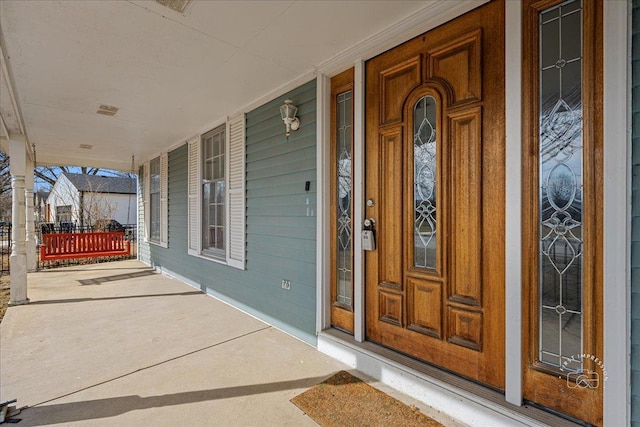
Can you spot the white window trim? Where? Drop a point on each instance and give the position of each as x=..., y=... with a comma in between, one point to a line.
x=164, y=202
x=235, y=235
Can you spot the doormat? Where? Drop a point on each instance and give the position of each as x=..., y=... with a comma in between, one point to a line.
x=344, y=400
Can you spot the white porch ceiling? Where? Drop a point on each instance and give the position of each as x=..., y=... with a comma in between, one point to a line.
x=169, y=74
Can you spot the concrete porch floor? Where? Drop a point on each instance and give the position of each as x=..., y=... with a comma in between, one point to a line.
x=116, y=343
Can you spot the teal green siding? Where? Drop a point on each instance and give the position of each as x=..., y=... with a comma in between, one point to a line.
x=635, y=216
x=280, y=222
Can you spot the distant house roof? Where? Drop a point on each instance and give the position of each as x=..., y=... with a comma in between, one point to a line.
x=42, y=194
x=102, y=184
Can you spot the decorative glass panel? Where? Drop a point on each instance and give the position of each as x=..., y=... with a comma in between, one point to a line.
x=343, y=214
x=424, y=193
x=561, y=169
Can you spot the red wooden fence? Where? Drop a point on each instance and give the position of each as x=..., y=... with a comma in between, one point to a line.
x=83, y=245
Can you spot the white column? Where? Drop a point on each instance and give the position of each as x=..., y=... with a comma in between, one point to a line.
x=18, y=258
x=31, y=243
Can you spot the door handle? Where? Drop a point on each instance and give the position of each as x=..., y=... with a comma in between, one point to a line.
x=368, y=235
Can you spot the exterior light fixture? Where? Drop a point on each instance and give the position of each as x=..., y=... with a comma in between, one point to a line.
x=288, y=113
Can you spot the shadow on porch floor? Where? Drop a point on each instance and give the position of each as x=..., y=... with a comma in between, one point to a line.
x=144, y=349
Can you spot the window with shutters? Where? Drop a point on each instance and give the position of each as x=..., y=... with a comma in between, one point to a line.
x=156, y=190
x=216, y=199
x=154, y=200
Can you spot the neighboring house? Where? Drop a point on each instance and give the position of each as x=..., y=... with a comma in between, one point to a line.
x=84, y=199
x=41, y=208
x=452, y=213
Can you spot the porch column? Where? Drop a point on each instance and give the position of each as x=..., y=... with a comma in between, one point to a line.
x=31, y=243
x=18, y=258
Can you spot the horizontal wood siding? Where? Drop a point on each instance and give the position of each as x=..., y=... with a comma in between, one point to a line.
x=280, y=221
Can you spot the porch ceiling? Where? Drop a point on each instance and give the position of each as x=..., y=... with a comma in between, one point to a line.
x=169, y=74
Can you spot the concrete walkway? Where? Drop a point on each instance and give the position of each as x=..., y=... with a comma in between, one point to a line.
x=117, y=344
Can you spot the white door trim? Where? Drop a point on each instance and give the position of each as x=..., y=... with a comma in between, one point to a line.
x=513, y=203
x=359, y=195
x=617, y=211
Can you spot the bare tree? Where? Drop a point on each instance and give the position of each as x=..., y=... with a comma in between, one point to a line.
x=561, y=189
x=48, y=175
x=5, y=188
x=5, y=176
x=95, y=207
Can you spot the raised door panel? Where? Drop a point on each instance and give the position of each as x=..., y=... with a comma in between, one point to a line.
x=466, y=163
x=395, y=83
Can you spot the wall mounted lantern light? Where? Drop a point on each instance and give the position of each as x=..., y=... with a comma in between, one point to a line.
x=288, y=113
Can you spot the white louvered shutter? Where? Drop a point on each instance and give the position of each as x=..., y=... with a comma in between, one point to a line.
x=236, y=252
x=147, y=205
x=164, y=199
x=141, y=204
x=193, y=187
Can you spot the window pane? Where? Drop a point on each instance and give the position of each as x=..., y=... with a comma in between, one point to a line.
x=154, y=233
x=550, y=33
x=220, y=192
x=424, y=169
x=63, y=213
x=570, y=44
x=212, y=238
x=212, y=215
x=154, y=195
x=216, y=167
x=213, y=192
x=208, y=170
x=560, y=188
x=220, y=238
x=207, y=146
x=344, y=191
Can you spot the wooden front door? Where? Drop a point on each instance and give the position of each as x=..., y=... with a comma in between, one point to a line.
x=435, y=182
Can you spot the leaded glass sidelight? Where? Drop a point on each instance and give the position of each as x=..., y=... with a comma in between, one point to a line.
x=344, y=240
x=560, y=195
x=424, y=189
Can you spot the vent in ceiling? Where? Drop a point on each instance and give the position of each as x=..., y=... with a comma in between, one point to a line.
x=86, y=146
x=179, y=6
x=107, y=110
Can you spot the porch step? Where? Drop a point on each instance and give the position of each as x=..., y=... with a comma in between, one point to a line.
x=466, y=401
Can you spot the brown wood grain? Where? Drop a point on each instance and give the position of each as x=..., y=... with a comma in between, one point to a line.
x=451, y=316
